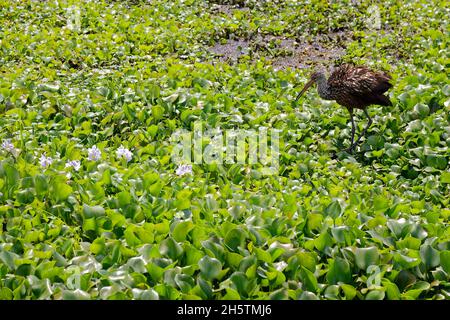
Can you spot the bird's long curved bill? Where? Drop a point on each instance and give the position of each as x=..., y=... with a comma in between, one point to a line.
x=306, y=87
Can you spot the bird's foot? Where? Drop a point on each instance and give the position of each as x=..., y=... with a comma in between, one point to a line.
x=350, y=149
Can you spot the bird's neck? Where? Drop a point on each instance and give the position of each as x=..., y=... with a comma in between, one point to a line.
x=323, y=88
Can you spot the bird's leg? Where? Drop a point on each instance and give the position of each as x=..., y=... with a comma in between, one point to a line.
x=349, y=149
x=369, y=123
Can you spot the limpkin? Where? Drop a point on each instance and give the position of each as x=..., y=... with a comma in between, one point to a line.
x=352, y=87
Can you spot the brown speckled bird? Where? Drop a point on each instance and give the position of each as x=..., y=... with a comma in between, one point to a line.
x=352, y=87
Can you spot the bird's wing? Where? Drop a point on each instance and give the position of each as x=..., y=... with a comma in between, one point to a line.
x=359, y=80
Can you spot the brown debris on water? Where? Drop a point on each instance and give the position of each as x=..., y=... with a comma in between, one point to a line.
x=286, y=52
x=321, y=49
x=227, y=9
x=231, y=51
x=305, y=55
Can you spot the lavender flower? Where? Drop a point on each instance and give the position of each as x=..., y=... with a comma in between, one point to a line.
x=75, y=164
x=184, y=169
x=9, y=147
x=124, y=153
x=94, y=154
x=45, y=161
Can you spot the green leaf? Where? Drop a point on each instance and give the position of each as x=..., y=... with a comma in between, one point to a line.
x=155, y=271
x=169, y=247
x=331, y=292
x=6, y=294
x=323, y=241
x=209, y=267
x=436, y=161
x=280, y=294
x=397, y=226
x=25, y=196
x=12, y=175
x=429, y=256
x=365, y=257
x=422, y=109
x=338, y=271
x=445, y=260
x=308, y=279
x=404, y=279
x=90, y=224
x=307, y=260
x=306, y=295
x=182, y=203
x=92, y=212
x=155, y=189
x=392, y=291
x=193, y=255
x=75, y=295
x=349, y=291
x=314, y=221
x=333, y=210
x=231, y=294
x=61, y=191
x=131, y=238
x=205, y=287
x=408, y=243
x=235, y=238
x=445, y=177
x=8, y=259
x=181, y=230
x=40, y=184
x=415, y=290
x=339, y=233
x=375, y=295
x=184, y=282
x=263, y=255
x=406, y=261
x=380, y=203
x=124, y=198
x=240, y=282
x=234, y=259
x=148, y=294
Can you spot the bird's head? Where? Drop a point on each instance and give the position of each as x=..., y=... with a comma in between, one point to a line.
x=315, y=76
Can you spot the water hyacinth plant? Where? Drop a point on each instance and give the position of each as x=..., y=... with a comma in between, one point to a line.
x=94, y=203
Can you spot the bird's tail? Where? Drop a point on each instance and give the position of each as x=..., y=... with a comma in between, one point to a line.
x=383, y=100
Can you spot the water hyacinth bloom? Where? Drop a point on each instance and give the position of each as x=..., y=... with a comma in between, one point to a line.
x=280, y=266
x=200, y=104
x=124, y=153
x=75, y=164
x=94, y=154
x=117, y=178
x=9, y=147
x=179, y=215
x=45, y=161
x=184, y=169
